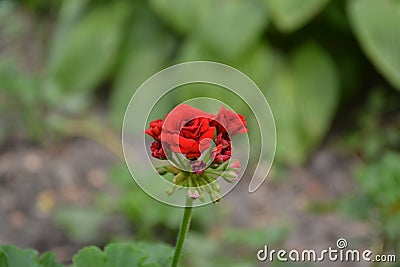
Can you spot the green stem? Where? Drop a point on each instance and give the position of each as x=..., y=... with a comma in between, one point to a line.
x=184, y=229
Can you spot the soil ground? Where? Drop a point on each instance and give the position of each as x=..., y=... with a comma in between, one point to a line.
x=36, y=180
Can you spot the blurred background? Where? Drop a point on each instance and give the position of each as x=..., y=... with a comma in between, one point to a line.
x=330, y=70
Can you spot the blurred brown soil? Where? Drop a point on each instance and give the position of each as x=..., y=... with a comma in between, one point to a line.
x=34, y=181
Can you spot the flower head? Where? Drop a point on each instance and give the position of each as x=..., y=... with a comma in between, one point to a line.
x=198, y=167
x=190, y=131
x=184, y=129
x=230, y=122
x=155, y=129
x=157, y=150
x=223, y=150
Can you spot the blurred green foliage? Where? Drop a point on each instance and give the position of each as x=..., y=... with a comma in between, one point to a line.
x=114, y=255
x=379, y=199
x=160, y=222
x=13, y=256
x=89, y=223
x=302, y=55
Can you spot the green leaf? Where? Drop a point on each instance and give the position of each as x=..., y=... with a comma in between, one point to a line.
x=3, y=259
x=376, y=25
x=290, y=15
x=209, y=22
x=192, y=49
x=68, y=18
x=179, y=14
x=147, y=51
x=119, y=255
x=259, y=65
x=125, y=255
x=317, y=89
x=85, y=58
x=281, y=95
x=11, y=256
x=222, y=30
x=19, y=257
x=90, y=257
x=157, y=254
x=48, y=259
x=303, y=96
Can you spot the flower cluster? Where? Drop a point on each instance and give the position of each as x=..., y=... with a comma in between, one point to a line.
x=205, y=141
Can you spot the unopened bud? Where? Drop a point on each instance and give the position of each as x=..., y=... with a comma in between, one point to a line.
x=179, y=178
x=170, y=190
x=193, y=194
x=161, y=171
x=172, y=169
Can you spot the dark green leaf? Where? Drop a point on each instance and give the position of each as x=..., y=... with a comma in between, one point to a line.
x=376, y=24
x=48, y=259
x=289, y=15
x=3, y=259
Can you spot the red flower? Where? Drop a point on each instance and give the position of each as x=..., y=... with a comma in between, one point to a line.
x=231, y=122
x=223, y=151
x=157, y=150
x=184, y=130
x=155, y=129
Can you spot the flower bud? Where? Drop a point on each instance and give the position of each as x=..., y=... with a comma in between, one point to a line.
x=170, y=190
x=161, y=171
x=193, y=194
x=198, y=167
x=172, y=169
x=179, y=178
x=216, y=187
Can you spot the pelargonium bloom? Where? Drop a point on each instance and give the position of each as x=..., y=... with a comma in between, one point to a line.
x=157, y=150
x=198, y=167
x=186, y=130
x=230, y=122
x=223, y=150
x=155, y=129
